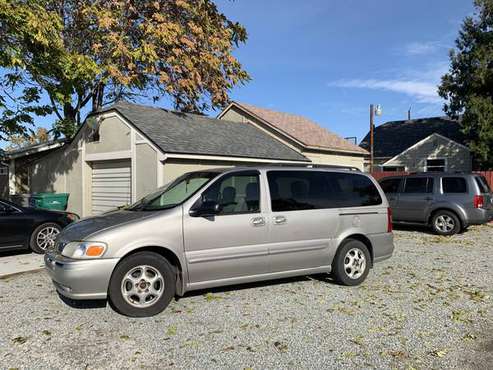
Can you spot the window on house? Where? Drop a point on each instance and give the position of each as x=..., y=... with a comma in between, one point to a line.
x=394, y=168
x=436, y=165
x=4, y=171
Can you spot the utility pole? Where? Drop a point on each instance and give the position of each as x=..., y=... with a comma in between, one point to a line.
x=372, y=118
x=374, y=111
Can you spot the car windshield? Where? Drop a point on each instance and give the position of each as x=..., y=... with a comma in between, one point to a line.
x=174, y=193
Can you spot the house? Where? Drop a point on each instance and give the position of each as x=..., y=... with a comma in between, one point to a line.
x=126, y=151
x=4, y=179
x=314, y=142
x=420, y=145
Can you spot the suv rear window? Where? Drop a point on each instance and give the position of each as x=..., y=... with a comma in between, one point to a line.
x=301, y=190
x=482, y=184
x=390, y=186
x=418, y=185
x=454, y=185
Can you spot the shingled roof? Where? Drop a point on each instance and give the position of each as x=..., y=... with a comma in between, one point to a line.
x=394, y=137
x=302, y=129
x=175, y=132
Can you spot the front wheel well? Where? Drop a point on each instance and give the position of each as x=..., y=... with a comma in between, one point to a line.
x=363, y=239
x=170, y=256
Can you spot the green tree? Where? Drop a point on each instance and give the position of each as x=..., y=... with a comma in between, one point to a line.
x=468, y=86
x=82, y=54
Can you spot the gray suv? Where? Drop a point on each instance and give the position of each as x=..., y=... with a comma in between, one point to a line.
x=448, y=202
x=221, y=227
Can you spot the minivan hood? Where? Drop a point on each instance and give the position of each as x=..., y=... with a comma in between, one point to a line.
x=88, y=226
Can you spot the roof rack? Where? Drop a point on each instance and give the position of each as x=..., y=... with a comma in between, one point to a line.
x=350, y=168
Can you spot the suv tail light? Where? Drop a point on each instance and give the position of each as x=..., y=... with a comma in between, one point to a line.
x=478, y=201
x=389, y=219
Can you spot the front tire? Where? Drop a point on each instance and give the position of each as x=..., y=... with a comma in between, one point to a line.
x=43, y=237
x=445, y=223
x=351, y=263
x=142, y=285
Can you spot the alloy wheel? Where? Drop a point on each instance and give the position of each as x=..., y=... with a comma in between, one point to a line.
x=142, y=286
x=46, y=237
x=444, y=223
x=354, y=263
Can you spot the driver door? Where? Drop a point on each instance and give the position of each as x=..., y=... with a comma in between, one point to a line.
x=230, y=246
x=13, y=227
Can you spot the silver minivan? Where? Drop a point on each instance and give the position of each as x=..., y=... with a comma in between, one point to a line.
x=225, y=226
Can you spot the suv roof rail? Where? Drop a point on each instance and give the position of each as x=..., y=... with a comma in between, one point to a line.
x=351, y=168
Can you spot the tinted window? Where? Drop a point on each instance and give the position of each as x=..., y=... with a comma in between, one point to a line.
x=390, y=186
x=454, y=185
x=300, y=190
x=418, y=185
x=6, y=208
x=482, y=184
x=237, y=193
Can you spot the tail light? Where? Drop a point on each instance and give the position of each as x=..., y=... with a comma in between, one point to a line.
x=389, y=219
x=478, y=201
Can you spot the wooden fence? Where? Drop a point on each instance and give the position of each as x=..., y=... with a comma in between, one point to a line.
x=488, y=175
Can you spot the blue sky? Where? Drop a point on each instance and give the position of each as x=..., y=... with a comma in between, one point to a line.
x=328, y=60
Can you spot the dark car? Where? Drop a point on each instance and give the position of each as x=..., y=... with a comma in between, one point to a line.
x=448, y=202
x=24, y=228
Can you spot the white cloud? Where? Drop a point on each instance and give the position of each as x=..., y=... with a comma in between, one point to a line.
x=422, y=91
x=423, y=48
x=421, y=85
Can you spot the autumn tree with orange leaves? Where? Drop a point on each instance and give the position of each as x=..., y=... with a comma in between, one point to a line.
x=67, y=57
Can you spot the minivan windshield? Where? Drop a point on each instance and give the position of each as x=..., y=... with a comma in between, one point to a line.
x=173, y=193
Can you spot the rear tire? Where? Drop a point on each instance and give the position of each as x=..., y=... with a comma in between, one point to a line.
x=351, y=263
x=43, y=237
x=142, y=285
x=445, y=223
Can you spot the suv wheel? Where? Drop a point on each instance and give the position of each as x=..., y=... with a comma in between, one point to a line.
x=351, y=263
x=445, y=223
x=143, y=284
x=43, y=237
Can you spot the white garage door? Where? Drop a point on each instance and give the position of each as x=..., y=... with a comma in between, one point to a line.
x=111, y=185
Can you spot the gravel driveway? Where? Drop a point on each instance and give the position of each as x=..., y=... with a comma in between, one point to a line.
x=429, y=306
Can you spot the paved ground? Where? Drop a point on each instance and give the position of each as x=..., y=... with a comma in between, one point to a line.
x=429, y=307
x=19, y=262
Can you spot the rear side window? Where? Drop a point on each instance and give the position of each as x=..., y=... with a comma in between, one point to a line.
x=419, y=185
x=454, y=185
x=390, y=186
x=482, y=184
x=301, y=190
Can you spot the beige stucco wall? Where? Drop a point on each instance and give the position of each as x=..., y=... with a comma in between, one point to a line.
x=60, y=172
x=114, y=136
x=174, y=168
x=316, y=156
x=336, y=159
x=458, y=157
x=146, y=170
x=4, y=185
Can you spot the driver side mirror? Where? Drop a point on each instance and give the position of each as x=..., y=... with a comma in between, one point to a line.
x=206, y=208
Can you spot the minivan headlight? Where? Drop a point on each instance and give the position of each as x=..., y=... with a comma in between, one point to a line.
x=84, y=250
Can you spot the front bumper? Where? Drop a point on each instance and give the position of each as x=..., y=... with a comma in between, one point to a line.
x=80, y=279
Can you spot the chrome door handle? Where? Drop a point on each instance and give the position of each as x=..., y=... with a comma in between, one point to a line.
x=279, y=220
x=258, y=221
